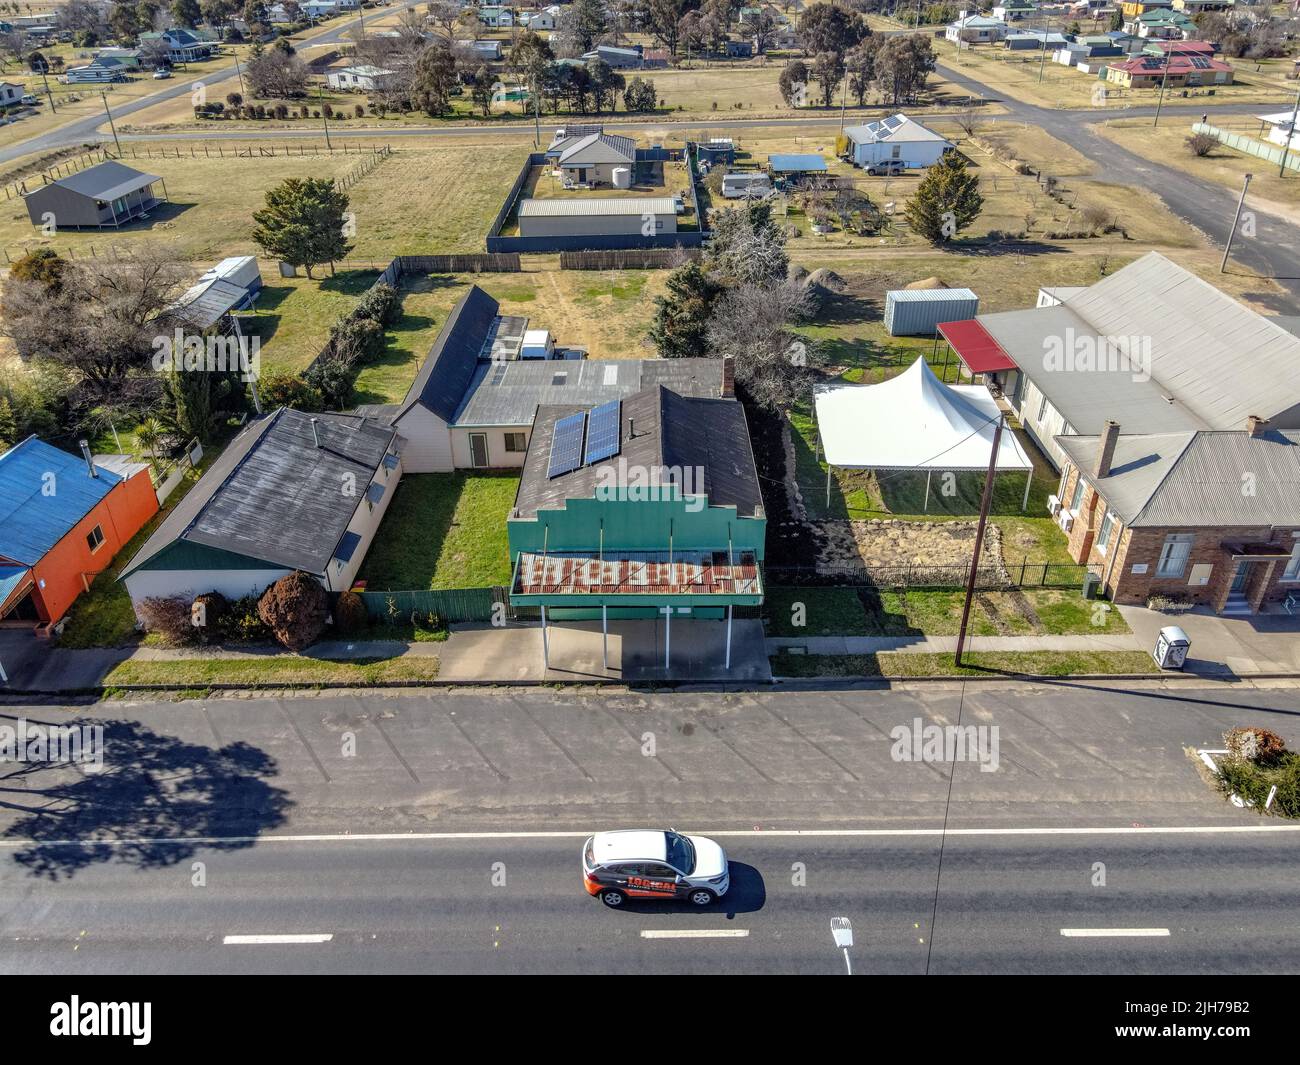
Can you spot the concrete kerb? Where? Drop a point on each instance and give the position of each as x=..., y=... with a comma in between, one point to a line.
x=1180, y=680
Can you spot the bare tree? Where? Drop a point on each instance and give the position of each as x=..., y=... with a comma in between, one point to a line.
x=753, y=322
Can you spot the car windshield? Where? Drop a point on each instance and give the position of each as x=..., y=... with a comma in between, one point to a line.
x=681, y=854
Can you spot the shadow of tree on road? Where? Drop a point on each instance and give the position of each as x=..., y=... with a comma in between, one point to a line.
x=154, y=803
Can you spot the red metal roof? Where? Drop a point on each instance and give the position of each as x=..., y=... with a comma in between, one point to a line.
x=973, y=345
x=637, y=573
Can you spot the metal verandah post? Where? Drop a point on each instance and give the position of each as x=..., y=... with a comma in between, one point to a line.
x=727, y=662
x=1029, y=480
x=546, y=649
x=604, y=634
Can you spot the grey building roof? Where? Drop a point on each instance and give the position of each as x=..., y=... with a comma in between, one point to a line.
x=276, y=497
x=583, y=207
x=599, y=147
x=106, y=181
x=509, y=393
x=448, y=369
x=1212, y=361
x=1172, y=480
x=204, y=304
x=895, y=128
x=658, y=429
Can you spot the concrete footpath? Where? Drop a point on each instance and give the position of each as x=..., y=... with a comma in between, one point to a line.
x=635, y=652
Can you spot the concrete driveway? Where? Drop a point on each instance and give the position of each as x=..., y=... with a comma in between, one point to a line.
x=1225, y=646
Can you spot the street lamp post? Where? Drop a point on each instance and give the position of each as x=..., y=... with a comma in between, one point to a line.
x=320, y=95
x=1290, y=134
x=1163, y=82
x=1236, y=218
x=104, y=96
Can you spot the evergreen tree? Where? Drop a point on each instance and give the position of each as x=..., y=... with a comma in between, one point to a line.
x=946, y=201
x=681, y=322
x=303, y=222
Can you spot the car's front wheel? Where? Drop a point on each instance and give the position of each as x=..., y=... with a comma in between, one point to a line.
x=612, y=897
x=701, y=897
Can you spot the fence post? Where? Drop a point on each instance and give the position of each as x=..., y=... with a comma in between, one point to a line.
x=1043, y=582
x=1024, y=559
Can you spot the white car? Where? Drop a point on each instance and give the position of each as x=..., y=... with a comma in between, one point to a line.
x=160, y=74
x=654, y=864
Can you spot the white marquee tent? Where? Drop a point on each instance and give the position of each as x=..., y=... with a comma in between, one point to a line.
x=914, y=422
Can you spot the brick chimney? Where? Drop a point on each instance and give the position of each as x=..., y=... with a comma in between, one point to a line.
x=1109, y=438
x=728, y=376
x=1255, y=425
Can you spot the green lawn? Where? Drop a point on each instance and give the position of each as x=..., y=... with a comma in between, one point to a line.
x=426, y=302
x=443, y=530
x=937, y=612
x=294, y=315
x=904, y=664
x=272, y=669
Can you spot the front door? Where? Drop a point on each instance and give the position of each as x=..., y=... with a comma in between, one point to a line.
x=478, y=450
x=1239, y=577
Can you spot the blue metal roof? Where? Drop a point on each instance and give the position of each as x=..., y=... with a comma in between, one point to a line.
x=44, y=493
x=796, y=163
x=10, y=578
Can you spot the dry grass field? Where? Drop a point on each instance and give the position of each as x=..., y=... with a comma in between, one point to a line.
x=1167, y=144
x=1016, y=74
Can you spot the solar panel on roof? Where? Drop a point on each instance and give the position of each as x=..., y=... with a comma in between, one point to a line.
x=566, y=444
x=602, y=432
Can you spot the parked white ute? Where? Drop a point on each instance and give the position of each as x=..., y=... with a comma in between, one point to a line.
x=651, y=864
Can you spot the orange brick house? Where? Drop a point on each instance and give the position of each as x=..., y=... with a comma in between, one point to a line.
x=62, y=520
x=1211, y=517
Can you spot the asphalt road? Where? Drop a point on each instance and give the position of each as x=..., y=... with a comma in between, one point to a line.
x=1272, y=249
x=87, y=130
x=1202, y=904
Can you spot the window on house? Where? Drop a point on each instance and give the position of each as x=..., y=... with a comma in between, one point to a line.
x=1291, y=572
x=1042, y=407
x=95, y=538
x=1077, y=497
x=1174, y=555
x=516, y=442
x=1107, y=528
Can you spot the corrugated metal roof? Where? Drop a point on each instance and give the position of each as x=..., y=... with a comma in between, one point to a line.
x=107, y=180
x=1215, y=356
x=508, y=394
x=585, y=207
x=204, y=304
x=599, y=147
x=1197, y=479
x=12, y=580
x=276, y=497
x=1087, y=398
x=797, y=164
x=657, y=429
x=44, y=493
x=447, y=370
x=897, y=128
x=930, y=295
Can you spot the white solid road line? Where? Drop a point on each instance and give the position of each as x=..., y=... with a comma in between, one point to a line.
x=830, y=833
x=293, y=937
x=695, y=933
x=1100, y=933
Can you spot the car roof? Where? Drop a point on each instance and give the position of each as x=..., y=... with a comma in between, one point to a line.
x=643, y=845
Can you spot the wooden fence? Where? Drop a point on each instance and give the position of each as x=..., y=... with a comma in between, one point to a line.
x=466, y=263
x=627, y=259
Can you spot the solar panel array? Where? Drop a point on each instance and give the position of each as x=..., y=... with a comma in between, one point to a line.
x=602, y=431
x=566, y=444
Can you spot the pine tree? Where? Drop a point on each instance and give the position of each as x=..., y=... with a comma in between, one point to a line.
x=303, y=222
x=681, y=322
x=946, y=201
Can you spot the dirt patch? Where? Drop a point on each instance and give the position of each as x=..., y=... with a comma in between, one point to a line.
x=913, y=550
